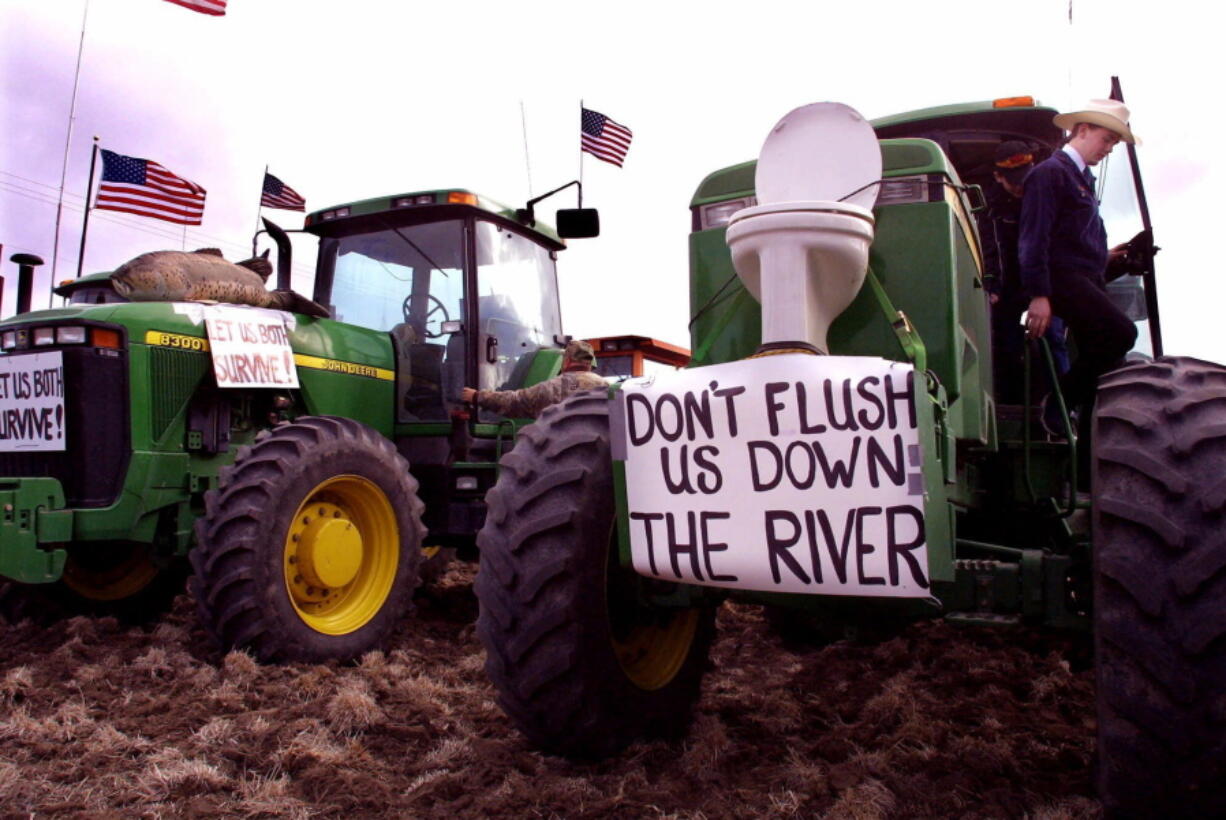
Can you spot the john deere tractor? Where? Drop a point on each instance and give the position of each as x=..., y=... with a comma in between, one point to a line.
x=838, y=452
x=301, y=464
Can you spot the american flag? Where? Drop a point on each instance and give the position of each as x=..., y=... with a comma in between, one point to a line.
x=279, y=195
x=141, y=186
x=604, y=138
x=214, y=7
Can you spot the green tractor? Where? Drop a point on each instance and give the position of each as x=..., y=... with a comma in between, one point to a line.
x=138, y=438
x=858, y=491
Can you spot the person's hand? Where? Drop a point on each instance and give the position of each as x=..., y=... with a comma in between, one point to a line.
x=993, y=298
x=468, y=395
x=1038, y=317
x=1119, y=252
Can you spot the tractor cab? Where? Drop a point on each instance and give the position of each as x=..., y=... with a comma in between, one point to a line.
x=936, y=163
x=452, y=290
x=467, y=293
x=625, y=357
x=969, y=134
x=91, y=289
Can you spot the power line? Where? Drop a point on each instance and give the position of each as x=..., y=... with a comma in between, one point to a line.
x=35, y=195
x=40, y=184
x=128, y=223
x=170, y=234
x=79, y=209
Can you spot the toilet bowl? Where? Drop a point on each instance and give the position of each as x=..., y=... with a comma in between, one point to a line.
x=803, y=253
x=804, y=261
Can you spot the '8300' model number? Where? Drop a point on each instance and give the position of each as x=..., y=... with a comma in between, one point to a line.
x=177, y=340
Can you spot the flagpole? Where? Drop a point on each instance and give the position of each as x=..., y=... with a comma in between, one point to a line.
x=523, y=119
x=72, y=115
x=89, y=192
x=580, y=152
x=258, y=208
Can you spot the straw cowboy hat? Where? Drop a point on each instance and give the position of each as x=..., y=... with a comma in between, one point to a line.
x=1110, y=114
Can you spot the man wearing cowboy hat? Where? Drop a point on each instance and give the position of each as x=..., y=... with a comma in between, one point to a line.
x=1062, y=249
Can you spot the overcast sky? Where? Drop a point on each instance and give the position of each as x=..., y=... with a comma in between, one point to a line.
x=351, y=100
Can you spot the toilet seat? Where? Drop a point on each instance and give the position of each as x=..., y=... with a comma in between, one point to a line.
x=820, y=151
x=815, y=206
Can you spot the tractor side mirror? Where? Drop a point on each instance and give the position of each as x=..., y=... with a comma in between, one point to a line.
x=578, y=223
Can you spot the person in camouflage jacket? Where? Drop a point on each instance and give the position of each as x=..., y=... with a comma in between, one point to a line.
x=576, y=375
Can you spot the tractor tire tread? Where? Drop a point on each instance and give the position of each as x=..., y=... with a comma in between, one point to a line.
x=232, y=583
x=1160, y=589
x=543, y=553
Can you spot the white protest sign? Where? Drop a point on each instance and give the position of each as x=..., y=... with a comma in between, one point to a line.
x=32, y=402
x=786, y=473
x=250, y=347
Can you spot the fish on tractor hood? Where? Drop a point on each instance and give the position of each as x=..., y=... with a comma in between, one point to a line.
x=205, y=275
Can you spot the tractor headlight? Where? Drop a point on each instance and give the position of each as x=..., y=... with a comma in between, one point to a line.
x=9, y=340
x=407, y=201
x=70, y=335
x=44, y=336
x=902, y=191
x=719, y=214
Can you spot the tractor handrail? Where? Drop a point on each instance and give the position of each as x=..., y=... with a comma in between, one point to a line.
x=1065, y=419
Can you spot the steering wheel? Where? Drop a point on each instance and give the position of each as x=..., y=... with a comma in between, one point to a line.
x=435, y=306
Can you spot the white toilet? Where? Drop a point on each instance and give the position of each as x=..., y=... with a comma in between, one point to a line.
x=803, y=250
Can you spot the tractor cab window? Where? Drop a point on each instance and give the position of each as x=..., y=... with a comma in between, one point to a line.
x=517, y=304
x=408, y=281
x=100, y=293
x=1121, y=215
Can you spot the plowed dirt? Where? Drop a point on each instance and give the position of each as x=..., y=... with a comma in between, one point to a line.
x=103, y=720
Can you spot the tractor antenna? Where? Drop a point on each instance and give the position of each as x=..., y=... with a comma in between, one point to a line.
x=523, y=120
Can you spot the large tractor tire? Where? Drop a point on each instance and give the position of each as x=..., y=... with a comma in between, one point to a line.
x=310, y=547
x=580, y=663
x=1159, y=519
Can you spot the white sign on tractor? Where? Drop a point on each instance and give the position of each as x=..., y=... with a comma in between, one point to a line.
x=787, y=473
x=250, y=347
x=32, y=402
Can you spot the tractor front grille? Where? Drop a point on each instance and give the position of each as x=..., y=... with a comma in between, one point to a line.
x=96, y=426
x=173, y=376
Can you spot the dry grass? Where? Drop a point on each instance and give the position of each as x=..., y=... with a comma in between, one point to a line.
x=353, y=708
x=98, y=720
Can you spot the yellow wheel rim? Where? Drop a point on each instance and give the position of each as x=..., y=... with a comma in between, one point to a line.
x=651, y=645
x=341, y=555
x=651, y=654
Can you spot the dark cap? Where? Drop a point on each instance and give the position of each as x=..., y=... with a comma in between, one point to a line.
x=1014, y=159
x=578, y=350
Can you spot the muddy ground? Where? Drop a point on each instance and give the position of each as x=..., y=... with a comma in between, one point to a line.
x=103, y=720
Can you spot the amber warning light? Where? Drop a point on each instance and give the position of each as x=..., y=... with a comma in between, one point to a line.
x=1013, y=102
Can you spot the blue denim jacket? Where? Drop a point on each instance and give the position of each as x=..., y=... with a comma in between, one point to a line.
x=1061, y=233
